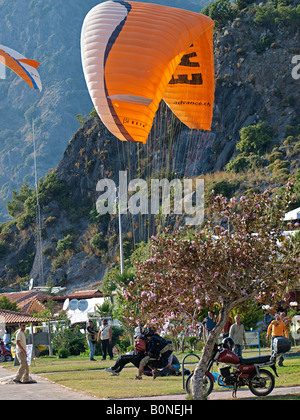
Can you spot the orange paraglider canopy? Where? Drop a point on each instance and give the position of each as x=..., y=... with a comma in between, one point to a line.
x=136, y=54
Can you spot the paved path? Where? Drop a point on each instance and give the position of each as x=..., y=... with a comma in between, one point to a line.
x=42, y=390
x=47, y=390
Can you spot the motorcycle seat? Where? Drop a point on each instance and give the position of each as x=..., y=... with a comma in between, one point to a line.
x=255, y=360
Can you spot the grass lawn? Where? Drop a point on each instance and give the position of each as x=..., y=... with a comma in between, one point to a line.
x=80, y=374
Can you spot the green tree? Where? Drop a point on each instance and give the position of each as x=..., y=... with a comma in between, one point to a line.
x=69, y=339
x=235, y=260
x=224, y=187
x=105, y=310
x=242, y=4
x=254, y=138
x=221, y=12
x=5, y=303
x=16, y=206
x=52, y=188
x=65, y=243
x=98, y=242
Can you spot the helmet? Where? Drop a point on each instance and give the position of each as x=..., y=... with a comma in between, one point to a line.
x=228, y=343
x=138, y=331
x=148, y=332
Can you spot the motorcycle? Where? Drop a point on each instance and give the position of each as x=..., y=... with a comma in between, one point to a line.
x=5, y=354
x=239, y=371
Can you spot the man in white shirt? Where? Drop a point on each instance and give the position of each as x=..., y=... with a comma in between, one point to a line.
x=237, y=333
x=105, y=333
x=23, y=372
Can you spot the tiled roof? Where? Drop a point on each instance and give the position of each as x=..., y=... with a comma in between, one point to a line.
x=31, y=300
x=80, y=294
x=24, y=299
x=13, y=318
x=94, y=292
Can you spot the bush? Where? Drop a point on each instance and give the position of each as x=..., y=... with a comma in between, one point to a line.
x=224, y=187
x=255, y=138
x=274, y=156
x=63, y=353
x=50, y=221
x=98, y=242
x=52, y=188
x=270, y=14
x=238, y=164
x=297, y=147
x=61, y=260
x=242, y=4
x=16, y=206
x=288, y=140
x=22, y=207
x=64, y=244
x=264, y=43
x=256, y=161
x=243, y=162
x=70, y=340
x=278, y=165
x=221, y=12
x=123, y=344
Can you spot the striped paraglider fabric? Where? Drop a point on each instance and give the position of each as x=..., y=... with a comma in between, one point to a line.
x=22, y=66
x=136, y=54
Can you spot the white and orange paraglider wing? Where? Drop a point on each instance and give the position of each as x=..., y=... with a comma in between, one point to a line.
x=136, y=54
x=24, y=67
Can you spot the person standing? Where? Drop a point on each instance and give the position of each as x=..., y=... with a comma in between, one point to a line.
x=209, y=323
x=22, y=375
x=105, y=334
x=237, y=333
x=277, y=329
x=91, y=336
x=225, y=331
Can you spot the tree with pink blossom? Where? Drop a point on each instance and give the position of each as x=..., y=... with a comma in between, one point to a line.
x=242, y=254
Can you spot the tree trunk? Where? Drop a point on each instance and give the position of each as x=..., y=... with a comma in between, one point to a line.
x=201, y=368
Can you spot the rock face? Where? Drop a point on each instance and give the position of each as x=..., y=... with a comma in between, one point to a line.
x=254, y=84
x=254, y=81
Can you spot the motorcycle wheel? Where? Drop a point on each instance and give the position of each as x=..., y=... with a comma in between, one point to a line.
x=2, y=358
x=263, y=384
x=208, y=384
x=8, y=358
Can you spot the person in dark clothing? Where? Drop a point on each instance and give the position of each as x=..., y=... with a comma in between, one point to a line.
x=158, y=353
x=172, y=368
x=91, y=336
x=123, y=361
x=134, y=357
x=209, y=323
